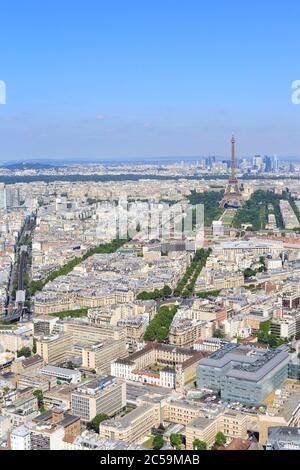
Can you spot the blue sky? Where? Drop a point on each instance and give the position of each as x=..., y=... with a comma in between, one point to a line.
x=119, y=79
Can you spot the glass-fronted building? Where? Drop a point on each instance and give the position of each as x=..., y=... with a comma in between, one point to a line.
x=244, y=374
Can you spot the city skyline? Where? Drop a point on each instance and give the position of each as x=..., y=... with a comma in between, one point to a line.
x=149, y=230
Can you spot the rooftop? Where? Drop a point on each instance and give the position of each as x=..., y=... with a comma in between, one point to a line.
x=246, y=362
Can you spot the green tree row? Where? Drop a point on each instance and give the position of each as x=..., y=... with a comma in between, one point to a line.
x=209, y=293
x=185, y=286
x=158, y=329
x=68, y=267
x=81, y=312
x=166, y=291
x=40, y=398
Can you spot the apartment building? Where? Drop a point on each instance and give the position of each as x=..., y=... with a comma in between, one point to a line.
x=22, y=410
x=184, y=330
x=47, y=303
x=47, y=436
x=26, y=366
x=291, y=300
x=70, y=424
x=208, y=310
x=114, y=313
x=108, y=298
x=225, y=280
x=14, y=340
x=135, y=327
x=20, y=438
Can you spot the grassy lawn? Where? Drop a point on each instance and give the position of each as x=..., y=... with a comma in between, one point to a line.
x=227, y=217
x=128, y=410
x=193, y=379
x=149, y=443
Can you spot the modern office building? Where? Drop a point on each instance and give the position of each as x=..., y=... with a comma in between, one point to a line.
x=102, y=395
x=267, y=164
x=286, y=326
x=54, y=348
x=291, y=300
x=88, y=333
x=275, y=163
x=132, y=427
x=12, y=197
x=99, y=356
x=62, y=374
x=243, y=373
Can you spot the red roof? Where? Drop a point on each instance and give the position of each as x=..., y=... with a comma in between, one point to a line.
x=148, y=374
x=238, y=444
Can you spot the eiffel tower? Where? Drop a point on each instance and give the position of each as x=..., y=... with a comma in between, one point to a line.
x=232, y=198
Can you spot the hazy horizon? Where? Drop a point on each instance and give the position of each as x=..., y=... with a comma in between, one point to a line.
x=132, y=160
